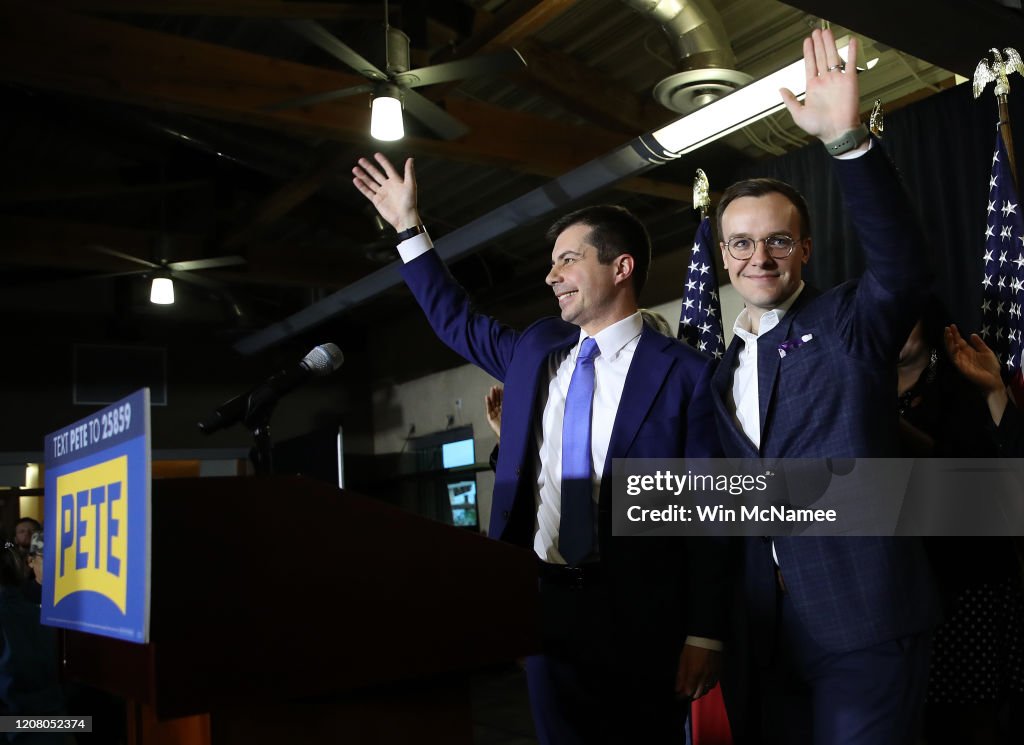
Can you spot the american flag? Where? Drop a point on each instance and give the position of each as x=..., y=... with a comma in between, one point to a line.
x=1003, y=283
x=700, y=320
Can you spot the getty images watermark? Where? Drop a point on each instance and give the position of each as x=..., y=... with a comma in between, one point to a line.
x=818, y=496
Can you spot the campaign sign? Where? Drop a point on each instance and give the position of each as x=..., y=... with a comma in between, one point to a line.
x=97, y=522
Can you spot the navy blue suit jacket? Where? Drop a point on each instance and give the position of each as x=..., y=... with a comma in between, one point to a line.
x=834, y=396
x=665, y=587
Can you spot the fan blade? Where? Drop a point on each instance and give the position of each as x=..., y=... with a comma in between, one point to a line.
x=471, y=67
x=320, y=98
x=321, y=37
x=216, y=263
x=124, y=256
x=196, y=279
x=433, y=116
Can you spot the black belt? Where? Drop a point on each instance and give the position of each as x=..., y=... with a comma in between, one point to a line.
x=576, y=578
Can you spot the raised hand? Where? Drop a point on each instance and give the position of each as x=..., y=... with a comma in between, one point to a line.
x=392, y=193
x=493, y=401
x=832, y=104
x=975, y=361
x=978, y=364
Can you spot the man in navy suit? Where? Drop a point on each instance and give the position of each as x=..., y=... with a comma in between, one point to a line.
x=631, y=626
x=839, y=626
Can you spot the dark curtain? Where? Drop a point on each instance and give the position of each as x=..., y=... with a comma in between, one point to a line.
x=943, y=148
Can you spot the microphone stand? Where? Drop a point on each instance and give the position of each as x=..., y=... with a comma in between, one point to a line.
x=259, y=407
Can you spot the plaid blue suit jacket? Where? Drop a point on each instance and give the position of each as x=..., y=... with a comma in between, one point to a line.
x=833, y=397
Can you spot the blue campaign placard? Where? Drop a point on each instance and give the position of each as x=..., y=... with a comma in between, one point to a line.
x=96, y=562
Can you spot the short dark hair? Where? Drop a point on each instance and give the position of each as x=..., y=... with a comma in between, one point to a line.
x=759, y=187
x=35, y=523
x=614, y=231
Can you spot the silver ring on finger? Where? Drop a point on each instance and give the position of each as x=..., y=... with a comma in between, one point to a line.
x=841, y=66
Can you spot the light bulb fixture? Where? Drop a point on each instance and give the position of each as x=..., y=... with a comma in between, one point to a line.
x=386, y=113
x=737, y=110
x=161, y=292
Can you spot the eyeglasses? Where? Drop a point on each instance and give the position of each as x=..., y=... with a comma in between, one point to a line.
x=778, y=246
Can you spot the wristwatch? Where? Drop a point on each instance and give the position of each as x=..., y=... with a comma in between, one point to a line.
x=849, y=140
x=410, y=232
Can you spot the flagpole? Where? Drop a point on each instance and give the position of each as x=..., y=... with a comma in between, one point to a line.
x=1007, y=133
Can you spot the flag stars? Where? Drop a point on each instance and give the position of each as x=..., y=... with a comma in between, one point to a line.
x=992, y=182
x=1008, y=208
x=691, y=284
x=987, y=281
x=991, y=208
x=988, y=255
x=989, y=233
x=1002, y=258
x=1006, y=233
x=688, y=304
x=704, y=268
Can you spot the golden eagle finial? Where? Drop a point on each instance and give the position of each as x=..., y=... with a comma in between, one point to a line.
x=701, y=192
x=998, y=71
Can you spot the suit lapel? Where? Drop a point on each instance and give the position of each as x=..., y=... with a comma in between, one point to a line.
x=728, y=429
x=647, y=373
x=769, y=360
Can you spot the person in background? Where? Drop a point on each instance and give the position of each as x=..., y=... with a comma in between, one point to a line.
x=34, y=587
x=979, y=364
x=28, y=654
x=23, y=530
x=977, y=661
x=492, y=405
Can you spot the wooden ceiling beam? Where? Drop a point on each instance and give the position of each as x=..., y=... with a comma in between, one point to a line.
x=589, y=93
x=224, y=8
x=92, y=57
x=31, y=242
x=514, y=22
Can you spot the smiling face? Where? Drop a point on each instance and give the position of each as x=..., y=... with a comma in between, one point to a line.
x=763, y=282
x=590, y=294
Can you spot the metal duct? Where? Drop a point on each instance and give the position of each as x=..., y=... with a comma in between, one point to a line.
x=698, y=40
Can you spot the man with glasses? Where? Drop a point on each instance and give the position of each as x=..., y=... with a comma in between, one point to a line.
x=838, y=626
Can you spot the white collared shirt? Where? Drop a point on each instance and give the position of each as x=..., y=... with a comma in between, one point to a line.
x=745, y=401
x=617, y=343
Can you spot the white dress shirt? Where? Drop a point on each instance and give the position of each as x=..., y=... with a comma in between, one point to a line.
x=744, y=400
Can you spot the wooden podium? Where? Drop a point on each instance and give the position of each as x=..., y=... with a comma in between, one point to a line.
x=285, y=610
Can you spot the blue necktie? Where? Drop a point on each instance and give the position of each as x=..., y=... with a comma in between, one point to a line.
x=576, y=529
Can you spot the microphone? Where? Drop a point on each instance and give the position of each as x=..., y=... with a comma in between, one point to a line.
x=320, y=362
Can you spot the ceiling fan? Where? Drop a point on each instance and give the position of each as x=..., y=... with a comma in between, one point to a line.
x=396, y=80
x=174, y=270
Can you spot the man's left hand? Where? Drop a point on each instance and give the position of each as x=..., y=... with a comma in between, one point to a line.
x=698, y=671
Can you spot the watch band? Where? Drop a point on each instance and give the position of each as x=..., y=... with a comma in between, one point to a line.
x=849, y=140
x=410, y=232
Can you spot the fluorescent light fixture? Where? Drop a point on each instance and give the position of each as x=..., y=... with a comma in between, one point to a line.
x=735, y=111
x=386, y=116
x=161, y=292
